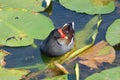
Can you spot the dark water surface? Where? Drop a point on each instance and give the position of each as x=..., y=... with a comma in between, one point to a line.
x=30, y=56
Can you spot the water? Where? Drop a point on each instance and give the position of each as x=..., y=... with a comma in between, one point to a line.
x=23, y=56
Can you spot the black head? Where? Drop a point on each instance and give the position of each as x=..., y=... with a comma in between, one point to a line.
x=54, y=34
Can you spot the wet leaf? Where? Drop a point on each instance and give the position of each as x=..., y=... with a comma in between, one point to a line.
x=20, y=28
x=101, y=2
x=39, y=66
x=113, y=30
x=97, y=54
x=77, y=71
x=12, y=74
x=89, y=6
x=33, y=5
x=45, y=73
x=61, y=68
x=109, y=74
x=62, y=77
x=87, y=35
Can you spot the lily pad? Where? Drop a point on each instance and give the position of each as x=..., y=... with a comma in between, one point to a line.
x=33, y=5
x=110, y=74
x=20, y=28
x=62, y=77
x=89, y=6
x=113, y=33
x=12, y=74
x=97, y=54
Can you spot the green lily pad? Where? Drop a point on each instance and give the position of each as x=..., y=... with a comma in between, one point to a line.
x=20, y=28
x=12, y=74
x=89, y=6
x=85, y=36
x=62, y=77
x=110, y=74
x=33, y=5
x=113, y=33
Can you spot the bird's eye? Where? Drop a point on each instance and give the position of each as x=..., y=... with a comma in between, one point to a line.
x=67, y=32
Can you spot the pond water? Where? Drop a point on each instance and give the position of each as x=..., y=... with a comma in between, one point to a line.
x=29, y=56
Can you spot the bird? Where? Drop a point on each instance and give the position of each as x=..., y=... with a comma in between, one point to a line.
x=59, y=41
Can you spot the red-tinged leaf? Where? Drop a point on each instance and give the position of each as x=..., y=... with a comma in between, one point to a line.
x=89, y=6
x=92, y=50
x=90, y=63
x=105, y=58
x=97, y=54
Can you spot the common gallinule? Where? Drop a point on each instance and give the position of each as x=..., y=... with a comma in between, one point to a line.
x=59, y=41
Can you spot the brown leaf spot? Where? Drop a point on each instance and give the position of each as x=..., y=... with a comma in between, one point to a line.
x=90, y=63
x=97, y=54
x=101, y=2
x=61, y=68
x=5, y=53
x=2, y=63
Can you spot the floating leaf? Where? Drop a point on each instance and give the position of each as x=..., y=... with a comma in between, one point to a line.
x=109, y=74
x=87, y=35
x=12, y=74
x=113, y=33
x=97, y=54
x=89, y=6
x=62, y=77
x=61, y=68
x=43, y=74
x=39, y=66
x=77, y=71
x=33, y=5
x=20, y=28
